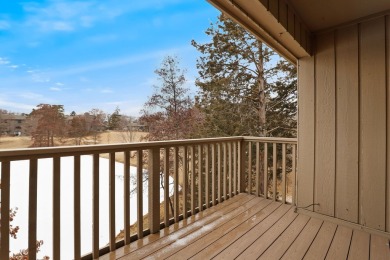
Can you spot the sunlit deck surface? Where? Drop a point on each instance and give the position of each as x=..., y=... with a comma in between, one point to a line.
x=249, y=227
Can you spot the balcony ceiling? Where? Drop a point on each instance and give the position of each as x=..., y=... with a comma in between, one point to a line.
x=322, y=14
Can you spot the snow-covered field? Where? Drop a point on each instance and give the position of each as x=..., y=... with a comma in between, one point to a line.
x=19, y=199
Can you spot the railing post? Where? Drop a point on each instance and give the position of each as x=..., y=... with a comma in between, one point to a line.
x=154, y=189
x=241, y=166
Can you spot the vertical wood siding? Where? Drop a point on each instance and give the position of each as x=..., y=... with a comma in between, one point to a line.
x=344, y=125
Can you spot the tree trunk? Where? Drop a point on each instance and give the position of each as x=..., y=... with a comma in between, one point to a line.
x=262, y=101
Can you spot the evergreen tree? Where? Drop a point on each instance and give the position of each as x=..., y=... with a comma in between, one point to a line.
x=114, y=120
x=241, y=84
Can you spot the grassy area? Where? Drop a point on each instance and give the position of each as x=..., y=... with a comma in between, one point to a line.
x=109, y=137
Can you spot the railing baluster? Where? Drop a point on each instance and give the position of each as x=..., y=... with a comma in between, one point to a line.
x=207, y=176
x=224, y=171
x=111, y=201
x=266, y=170
x=176, y=184
x=200, y=188
x=5, y=208
x=257, y=169
x=154, y=190
x=166, y=186
x=126, y=199
x=235, y=168
x=274, y=173
x=293, y=175
x=192, y=180
x=213, y=173
x=32, y=210
x=250, y=167
x=284, y=173
x=76, y=216
x=241, y=166
x=95, y=207
x=140, y=183
x=219, y=172
x=185, y=182
x=56, y=208
x=230, y=169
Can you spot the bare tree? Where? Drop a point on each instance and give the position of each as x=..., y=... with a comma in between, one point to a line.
x=170, y=112
x=49, y=122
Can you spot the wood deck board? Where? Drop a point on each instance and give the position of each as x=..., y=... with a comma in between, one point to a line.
x=224, y=223
x=300, y=246
x=217, y=217
x=186, y=224
x=379, y=248
x=252, y=215
x=253, y=234
x=249, y=227
x=263, y=242
x=340, y=244
x=281, y=245
x=360, y=246
x=320, y=246
x=222, y=243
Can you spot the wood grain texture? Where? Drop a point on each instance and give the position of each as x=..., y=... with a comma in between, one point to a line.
x=56, y=208
x=283, y=15
x=300, y=246
x=324, y=190
x=379, y=248
x=340, y=244
x=373, y=124
x=388, y=120
x=306, y=134
x=32, y=209
x=5, y=207
x=76, y=212
x=322, y=241
x=347, y=126
x=360, y=245
x=290, y=21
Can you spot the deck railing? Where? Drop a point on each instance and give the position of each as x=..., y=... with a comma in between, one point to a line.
x=205, y=172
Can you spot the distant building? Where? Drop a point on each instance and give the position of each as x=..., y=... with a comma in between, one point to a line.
x=12, y=124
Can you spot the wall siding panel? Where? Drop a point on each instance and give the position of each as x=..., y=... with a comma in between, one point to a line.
x=324, y=189
x=388, y=121
x=306, y=114
x=372, y=124
x=347, y=124
x=344, y=124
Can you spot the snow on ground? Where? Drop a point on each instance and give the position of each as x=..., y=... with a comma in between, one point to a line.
x=19, y=199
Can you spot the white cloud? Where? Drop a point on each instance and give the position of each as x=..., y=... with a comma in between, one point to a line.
x=55, y=89
x=4, y=25
x=38, y=76
x=121, y=61
x=61, y=15
x=31, y=95
x=105, y=91
x=13, y=66
x=4, y=61
x=59, y=84
x=15, y=105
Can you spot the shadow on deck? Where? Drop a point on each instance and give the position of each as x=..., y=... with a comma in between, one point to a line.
x=249, y=227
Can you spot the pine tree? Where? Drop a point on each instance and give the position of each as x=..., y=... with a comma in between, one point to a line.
x=239, y=79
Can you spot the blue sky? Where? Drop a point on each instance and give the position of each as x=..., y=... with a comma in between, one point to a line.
x=94, y=53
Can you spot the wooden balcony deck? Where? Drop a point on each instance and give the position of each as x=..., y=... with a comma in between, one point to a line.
x=249, y=227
